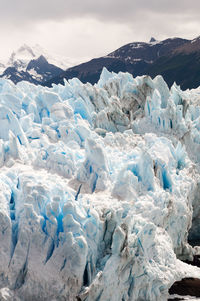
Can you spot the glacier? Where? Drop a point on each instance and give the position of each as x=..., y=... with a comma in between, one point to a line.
x=99, y=189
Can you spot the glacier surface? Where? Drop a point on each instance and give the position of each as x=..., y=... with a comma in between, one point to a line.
x=99, y=189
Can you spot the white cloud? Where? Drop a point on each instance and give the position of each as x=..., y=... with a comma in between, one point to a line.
x=89, y=28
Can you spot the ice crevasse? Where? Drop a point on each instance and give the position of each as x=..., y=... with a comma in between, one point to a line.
x=99, y=189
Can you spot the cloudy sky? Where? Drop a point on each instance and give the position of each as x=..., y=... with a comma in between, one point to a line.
x=88, y=28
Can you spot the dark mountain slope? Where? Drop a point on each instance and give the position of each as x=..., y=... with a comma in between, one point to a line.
x=184, y=69
x=175, y=59
x=90, y=71
x=148, y=52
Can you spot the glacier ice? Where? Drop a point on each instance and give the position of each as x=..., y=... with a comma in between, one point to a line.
x=99, y=189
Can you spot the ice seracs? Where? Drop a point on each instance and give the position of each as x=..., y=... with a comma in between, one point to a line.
x=98, y=189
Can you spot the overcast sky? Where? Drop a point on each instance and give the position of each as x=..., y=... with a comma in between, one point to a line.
x=90, y=28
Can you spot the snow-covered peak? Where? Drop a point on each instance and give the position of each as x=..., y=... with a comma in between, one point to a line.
x=60, y=61
x=24, y=54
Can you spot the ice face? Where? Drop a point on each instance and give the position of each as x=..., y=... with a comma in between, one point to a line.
x=99, y=187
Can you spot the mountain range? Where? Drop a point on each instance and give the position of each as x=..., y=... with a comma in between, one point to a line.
x=176, y=59
x=34, y=64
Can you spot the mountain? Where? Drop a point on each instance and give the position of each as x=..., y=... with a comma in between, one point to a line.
x=176, y=59
x=147, y=52
x=22, y=56
x=188, y=48
x=181, y=66
x=36, y=71
x=33, y=64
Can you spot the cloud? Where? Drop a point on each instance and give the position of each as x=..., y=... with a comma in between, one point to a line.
x=123, y=11
x=90, y=28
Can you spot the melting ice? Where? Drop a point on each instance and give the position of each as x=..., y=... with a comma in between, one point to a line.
x=99, y=189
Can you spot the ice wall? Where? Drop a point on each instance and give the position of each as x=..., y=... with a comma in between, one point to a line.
x=98, y=189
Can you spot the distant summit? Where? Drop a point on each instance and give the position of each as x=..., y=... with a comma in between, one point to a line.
x=33, y=64
x=152, y=40
x=30, y=64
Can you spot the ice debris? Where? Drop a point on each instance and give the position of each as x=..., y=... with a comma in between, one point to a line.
x=99, y=189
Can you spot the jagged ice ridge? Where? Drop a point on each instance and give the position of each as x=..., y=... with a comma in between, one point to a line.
x=99, y=188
